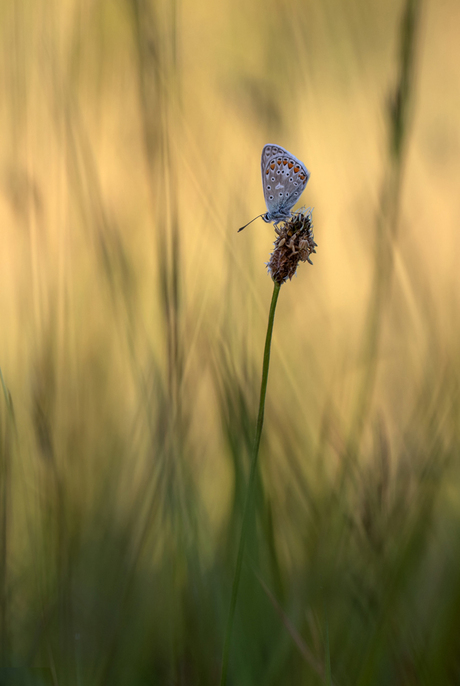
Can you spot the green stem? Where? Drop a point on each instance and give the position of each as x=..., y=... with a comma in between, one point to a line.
x=388, y=219
x=251, y=484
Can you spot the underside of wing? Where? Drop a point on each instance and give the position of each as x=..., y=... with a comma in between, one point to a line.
x=284, y=178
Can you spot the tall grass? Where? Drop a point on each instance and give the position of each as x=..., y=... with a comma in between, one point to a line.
x=130, y=344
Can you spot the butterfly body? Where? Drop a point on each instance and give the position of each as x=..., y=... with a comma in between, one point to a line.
x=284, y=178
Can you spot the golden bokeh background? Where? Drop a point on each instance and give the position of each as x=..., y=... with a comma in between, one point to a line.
x=133, y=314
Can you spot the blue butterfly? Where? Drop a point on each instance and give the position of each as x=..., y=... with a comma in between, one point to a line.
x=284, y=178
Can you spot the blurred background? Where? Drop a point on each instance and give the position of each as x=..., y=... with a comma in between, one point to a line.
x=133, y=318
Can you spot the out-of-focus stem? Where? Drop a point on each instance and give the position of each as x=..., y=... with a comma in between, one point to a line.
x=388, y=217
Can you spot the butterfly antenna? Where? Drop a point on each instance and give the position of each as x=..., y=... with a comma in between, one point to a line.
x=252, y=220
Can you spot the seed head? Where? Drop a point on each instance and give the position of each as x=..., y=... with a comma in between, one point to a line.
x=294, y=243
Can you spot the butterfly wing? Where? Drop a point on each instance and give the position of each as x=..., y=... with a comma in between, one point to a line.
x=284, y=178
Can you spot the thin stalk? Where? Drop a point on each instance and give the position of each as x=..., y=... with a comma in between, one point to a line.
x=388, y=217
x=5, y=516
x=328, y=655
x=251, y=484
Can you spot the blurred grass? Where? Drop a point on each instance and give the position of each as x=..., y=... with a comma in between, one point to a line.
x=131, y=341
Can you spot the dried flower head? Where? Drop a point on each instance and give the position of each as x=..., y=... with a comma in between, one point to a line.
x=294, y=243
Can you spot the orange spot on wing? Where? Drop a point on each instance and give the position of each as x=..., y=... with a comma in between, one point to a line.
x=279, y=161
x=285, y=162
x=267, y=171
x=290, y=165
x=302, y=177
x=272, y=166
x=296, y=169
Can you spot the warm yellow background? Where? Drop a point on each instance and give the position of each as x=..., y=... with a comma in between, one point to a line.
x=130, y=145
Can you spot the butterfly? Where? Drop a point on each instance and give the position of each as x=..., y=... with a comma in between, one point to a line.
x=284, y=178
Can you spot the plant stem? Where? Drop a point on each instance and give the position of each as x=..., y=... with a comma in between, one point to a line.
x=251, y=484
x=5, y=525
x=388, y=217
